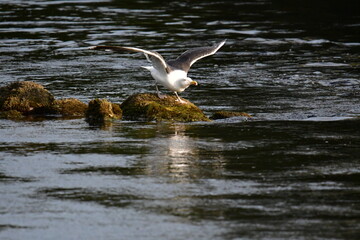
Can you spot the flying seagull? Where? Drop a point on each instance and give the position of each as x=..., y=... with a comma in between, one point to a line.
x=170, y=74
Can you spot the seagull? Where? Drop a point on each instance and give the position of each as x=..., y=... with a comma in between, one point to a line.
x=170, y=74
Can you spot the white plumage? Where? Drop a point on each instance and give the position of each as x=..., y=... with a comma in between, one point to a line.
x=172, y=74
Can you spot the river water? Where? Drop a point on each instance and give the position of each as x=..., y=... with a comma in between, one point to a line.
x=290, y=172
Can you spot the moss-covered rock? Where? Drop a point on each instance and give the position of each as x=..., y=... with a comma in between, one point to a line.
x=227, y=114
x=150, y=107
x=11, y=114
x=25, y=97
x=101, y=110
x=69, y=107
x=19, y=100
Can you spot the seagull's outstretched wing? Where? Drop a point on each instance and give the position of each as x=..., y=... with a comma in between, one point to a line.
x=155, y=58
x=188, y=58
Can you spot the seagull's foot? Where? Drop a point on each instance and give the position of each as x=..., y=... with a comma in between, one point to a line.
x=179, y=100
x=161, y=96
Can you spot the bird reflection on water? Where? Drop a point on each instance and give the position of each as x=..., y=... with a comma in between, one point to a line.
x=178, y=156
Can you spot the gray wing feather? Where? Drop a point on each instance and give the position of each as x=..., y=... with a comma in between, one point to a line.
x=155, y=58
x=188, y=58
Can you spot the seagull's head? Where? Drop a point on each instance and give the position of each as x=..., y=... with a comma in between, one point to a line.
x=183, y=83
x=189, y=81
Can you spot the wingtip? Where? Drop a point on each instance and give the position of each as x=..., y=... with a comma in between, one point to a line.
x=219, y=45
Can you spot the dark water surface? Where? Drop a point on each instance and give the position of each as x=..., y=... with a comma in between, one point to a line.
x=291, y=172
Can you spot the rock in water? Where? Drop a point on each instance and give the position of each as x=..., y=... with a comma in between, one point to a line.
x=25, y=97
x=227, y=114
x=149, y=107
x=11, y=114
x=69, y=107
x=19, y=100
x=101, y=110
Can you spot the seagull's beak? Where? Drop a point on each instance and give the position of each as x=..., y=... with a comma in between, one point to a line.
x=194, y=83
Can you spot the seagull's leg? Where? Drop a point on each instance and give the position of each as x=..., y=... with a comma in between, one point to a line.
x=158, y=92
x=179, y=99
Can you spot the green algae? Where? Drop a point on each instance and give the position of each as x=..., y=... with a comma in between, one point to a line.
x=149, y=107
x=21, y=100
x=69, y=107
x=25, y=97
x=228, y=114
x=101, y=110
x=11, y=114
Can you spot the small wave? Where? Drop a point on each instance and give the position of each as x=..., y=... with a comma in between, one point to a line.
x=245, y=32
x=327, y=119
x=326, y=64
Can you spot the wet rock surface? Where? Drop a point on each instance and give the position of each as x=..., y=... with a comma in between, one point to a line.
x=101, y=110
x=149, y=107
x=228, y=114
x=11, y=114
x=70, y=107
x=25, y=97
x=20, y=100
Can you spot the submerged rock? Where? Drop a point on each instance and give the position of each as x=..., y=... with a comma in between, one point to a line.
x=25, y=97
x=70, y=107
x=150, y=107
x=227, y=114
x=101, y=110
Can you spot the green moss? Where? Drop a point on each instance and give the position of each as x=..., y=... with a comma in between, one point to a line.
x=25, y=97
x=149, y=107
x=21, y=99
x=101, y=110
x=69, y=107
x=11, y=114
x=226, y=114
x=116, y=110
